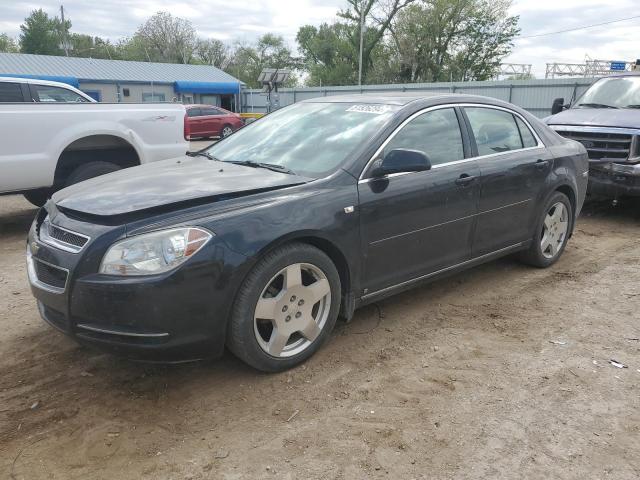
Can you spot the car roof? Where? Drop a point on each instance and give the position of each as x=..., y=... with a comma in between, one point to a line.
x=405, y=98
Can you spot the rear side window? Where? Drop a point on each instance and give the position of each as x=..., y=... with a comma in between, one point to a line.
x=10, y=92
x=46, y=93
x=194, y=112
x=211, y=111
x=436, y=133
x=528, y=140
x=495, y=131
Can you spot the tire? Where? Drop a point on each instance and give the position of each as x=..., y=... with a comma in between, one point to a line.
x=90, y=170
x=38, y=197
x=551, y=235
x=258, y=341
x=226, y=131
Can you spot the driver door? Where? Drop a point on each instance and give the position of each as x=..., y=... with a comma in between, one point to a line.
x=417, y=223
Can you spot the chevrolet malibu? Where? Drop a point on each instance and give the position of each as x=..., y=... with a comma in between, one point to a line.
x=261, y=241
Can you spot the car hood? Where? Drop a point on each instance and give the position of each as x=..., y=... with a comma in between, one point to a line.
x=597, y=117
x=169, y=184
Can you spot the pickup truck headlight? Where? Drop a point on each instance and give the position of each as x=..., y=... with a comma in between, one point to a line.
x=153, y=253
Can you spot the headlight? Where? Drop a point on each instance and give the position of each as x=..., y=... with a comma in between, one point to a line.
x=153, y=253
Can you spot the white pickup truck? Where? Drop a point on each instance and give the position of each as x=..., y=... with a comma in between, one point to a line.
x=52, y=135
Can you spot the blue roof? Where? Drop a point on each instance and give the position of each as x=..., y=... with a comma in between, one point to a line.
x=87, y=69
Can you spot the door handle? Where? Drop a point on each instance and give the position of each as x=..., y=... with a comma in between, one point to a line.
x=541, y=164
x=465, y=179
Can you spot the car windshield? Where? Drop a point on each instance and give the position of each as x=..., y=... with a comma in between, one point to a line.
x=310, y=139
x=618, y=92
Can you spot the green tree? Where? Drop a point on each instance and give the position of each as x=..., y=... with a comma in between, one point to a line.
x=8, y=44
x=328, y=54
x=270, y=51
x=213, y=52
x=442, y=40
x=42, y=34
x=164, y=38
x=331, y=52
x=88, y=46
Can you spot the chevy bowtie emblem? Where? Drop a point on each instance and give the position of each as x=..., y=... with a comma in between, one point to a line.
x=35, y=247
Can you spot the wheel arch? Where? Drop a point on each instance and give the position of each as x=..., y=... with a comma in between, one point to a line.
x=329, y=248
x=104, y=146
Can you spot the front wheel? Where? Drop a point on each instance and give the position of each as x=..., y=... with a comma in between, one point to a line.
x=285, y=308
x=552, y=232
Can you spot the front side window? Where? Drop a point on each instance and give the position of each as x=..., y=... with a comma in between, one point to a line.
x=312, y=139
x=45, y=93
x=194, y=112
x=435, y=133
x=495, y=131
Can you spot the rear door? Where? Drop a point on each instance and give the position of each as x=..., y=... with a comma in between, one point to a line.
x=416, y=223
x=514, y=165
x=196, y=122
x=212, y=120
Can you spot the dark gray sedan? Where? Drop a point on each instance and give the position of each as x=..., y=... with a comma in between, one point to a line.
x=261, y=241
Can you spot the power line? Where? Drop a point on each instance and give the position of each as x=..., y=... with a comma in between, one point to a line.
x=579, y=28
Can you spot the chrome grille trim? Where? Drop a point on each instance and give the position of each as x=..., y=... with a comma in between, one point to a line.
x=33, y=276
x=604, y=144
x=61, y=238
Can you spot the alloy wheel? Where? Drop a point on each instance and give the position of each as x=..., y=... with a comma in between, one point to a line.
x=292, y=310
x=554, y=231
x=226, y=131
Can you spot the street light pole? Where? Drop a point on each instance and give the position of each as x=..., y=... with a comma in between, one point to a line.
x=361, y=34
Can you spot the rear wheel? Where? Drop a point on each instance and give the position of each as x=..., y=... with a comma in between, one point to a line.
x=226, y=131
x=552, y=232
x=90, y=170
x=38, y=197
x=285, y=309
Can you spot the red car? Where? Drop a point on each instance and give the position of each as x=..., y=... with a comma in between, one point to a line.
x=209, y=121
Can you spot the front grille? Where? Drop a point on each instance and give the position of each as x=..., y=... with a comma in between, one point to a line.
x=603, y=146
x=67, y=237
x=50, y=275
x=62, y=238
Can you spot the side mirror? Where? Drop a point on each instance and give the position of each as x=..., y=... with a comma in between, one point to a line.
x=401, y=160
x=558, y=106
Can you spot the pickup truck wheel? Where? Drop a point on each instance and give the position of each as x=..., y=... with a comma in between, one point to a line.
x=38, y=197
x=90, y=170
x=552, y=232
x=285, y=308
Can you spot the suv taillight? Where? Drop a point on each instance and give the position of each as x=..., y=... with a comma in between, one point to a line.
x=187, y=128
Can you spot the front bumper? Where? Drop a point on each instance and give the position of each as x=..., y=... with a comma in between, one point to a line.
x=177, y=316
x=614, y=180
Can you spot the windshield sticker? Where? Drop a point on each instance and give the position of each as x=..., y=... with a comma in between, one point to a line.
x=367, y=108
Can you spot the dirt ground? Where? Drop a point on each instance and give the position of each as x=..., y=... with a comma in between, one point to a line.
x=457, y=379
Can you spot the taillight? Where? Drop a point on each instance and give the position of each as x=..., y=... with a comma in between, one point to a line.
x=187, y=128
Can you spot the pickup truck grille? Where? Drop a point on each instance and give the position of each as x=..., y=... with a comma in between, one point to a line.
x=603, y=146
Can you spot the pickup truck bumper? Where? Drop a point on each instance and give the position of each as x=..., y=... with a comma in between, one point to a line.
x=614, y=180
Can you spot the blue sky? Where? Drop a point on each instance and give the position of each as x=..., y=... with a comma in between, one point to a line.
x=245, y=20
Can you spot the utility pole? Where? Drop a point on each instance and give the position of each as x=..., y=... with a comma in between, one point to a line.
x=361, y=37
x=65, y=45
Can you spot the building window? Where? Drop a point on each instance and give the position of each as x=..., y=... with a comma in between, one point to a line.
x=153, y=97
